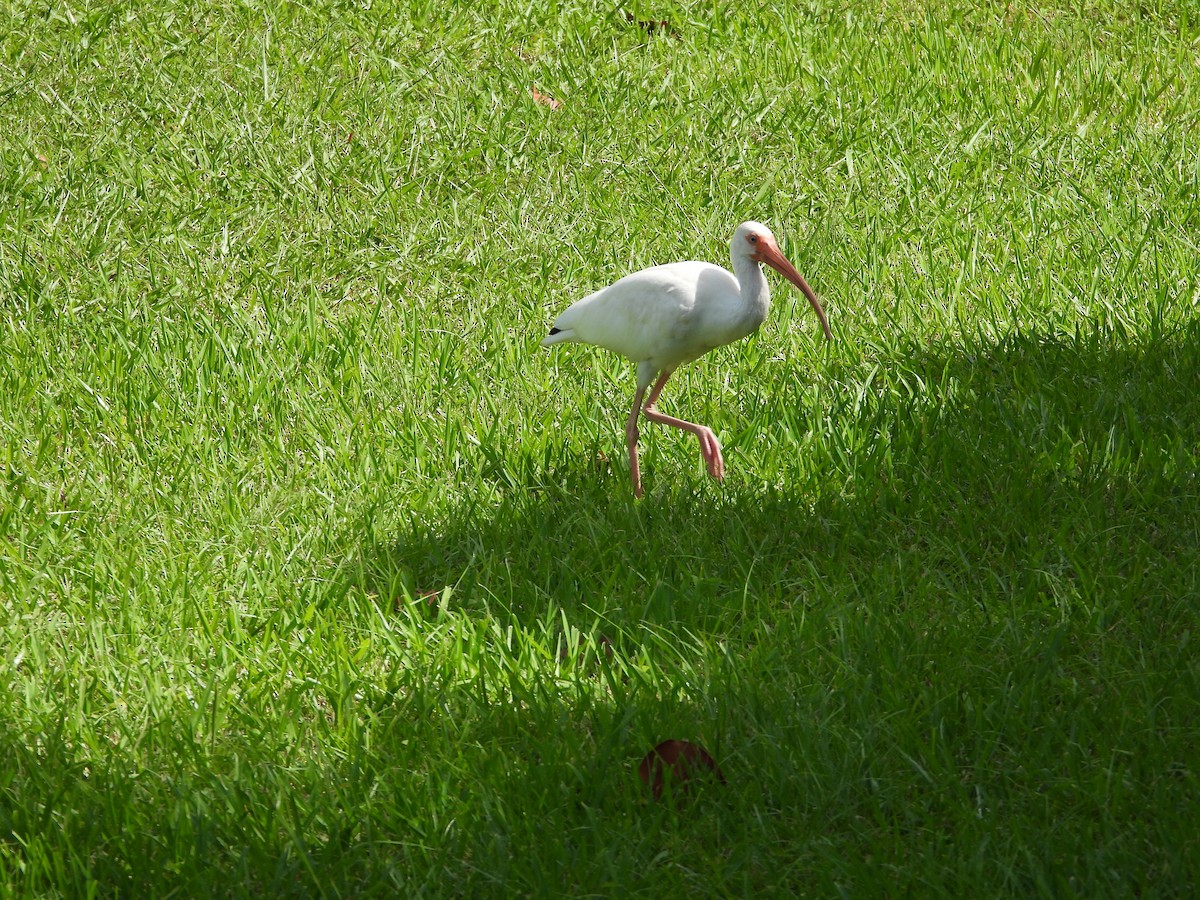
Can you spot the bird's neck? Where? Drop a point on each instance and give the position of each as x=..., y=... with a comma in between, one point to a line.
x=756, y=293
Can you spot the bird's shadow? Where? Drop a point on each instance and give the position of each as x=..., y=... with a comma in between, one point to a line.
x=1027, y=436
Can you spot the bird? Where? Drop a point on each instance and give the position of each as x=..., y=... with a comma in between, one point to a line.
x=665, y=316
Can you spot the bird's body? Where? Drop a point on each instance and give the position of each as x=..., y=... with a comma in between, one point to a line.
x=665, y=316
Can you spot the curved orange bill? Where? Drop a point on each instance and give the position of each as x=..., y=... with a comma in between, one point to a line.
x=770, y=255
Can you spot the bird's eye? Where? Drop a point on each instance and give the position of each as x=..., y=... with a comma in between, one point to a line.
x=752, y=238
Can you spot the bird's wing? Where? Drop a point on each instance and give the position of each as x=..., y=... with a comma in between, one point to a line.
x=650, y=315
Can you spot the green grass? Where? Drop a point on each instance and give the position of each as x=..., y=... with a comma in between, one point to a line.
x=272, y=278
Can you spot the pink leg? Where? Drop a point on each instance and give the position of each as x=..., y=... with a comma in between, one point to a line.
x=709, y=448
x=631, y=438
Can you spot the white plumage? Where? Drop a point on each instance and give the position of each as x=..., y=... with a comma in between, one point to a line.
x=665, y=316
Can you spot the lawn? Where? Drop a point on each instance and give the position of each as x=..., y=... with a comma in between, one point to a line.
x=319, y=577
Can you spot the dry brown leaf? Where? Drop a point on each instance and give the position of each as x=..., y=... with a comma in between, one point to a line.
x=684, y=761
x=653, y=26
x=431, y=599
x=544, y=99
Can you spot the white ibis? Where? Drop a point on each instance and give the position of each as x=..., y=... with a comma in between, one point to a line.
x=665, y=316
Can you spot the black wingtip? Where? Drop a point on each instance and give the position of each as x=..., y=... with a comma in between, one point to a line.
x=555, y=330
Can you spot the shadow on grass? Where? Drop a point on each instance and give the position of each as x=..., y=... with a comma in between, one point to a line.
x=966, y=664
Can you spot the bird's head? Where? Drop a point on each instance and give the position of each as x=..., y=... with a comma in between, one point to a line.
x=754, y=241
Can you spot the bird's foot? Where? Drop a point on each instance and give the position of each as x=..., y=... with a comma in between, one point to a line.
x=710, y=449
x=635, y=471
